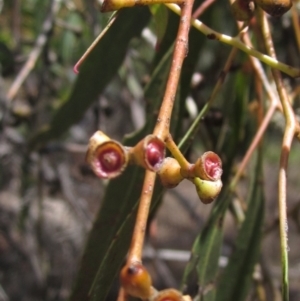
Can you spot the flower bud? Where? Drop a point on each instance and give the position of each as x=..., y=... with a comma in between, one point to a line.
x=207, y=190
x=169, y=173
x=208, y=167
x=107, y=158
x=242, y=10
x=136, y=281
x=168, y=295
x=275, y=8
x=148, y=153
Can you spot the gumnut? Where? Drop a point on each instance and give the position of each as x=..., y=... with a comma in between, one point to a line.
x=207, y=190
x=275, y=8
x=168, y=295
x=208, y=167
x=169, y=173
x=136, y=280
x=107, y=158
x=149, y=153
x=242, y=10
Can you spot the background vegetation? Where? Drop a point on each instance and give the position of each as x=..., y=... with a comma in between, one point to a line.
x=55, y=242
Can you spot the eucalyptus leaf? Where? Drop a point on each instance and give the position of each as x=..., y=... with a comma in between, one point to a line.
x=237, y=277
x=95, y=73
x=203, y=265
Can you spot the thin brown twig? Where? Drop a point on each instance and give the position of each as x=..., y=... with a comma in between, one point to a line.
x=289, y=132
x=35, y=53
x=274, y=104
x=202, y=7
x=258, y=69
x=135, y=251
x=96, y=41
x=236, y=42
x=181, y=49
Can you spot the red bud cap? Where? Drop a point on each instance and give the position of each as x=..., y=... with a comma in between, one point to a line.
x=108, y=158
x=208, y=167
x=149, y=153
x=155, y=152
x=136, y=281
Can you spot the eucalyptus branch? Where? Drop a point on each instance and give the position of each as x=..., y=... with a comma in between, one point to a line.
x=258, y=69
x=274, y=104
x=290, y=129
x=161, y=129
x=181, y=49
x=236, y=42
x=135, y=250
x=200, y=10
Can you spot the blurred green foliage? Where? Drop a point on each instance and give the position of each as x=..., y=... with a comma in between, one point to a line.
x=58, y=99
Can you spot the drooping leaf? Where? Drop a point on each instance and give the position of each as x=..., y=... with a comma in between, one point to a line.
x=203, y=265
x=237, y=276
x=95, y=73
x=68, y=43
x=160, y=15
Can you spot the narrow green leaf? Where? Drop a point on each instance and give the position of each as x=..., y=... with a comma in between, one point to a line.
x=160, y=15
x=203, y=265
x=95, y=73
x=69, y=40
x=237, y=276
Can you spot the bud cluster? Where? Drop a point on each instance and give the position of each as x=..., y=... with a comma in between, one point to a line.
x=205, y=174
x=108, y=159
